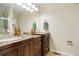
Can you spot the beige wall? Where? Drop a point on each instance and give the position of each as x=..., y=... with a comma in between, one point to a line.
x=63, y=22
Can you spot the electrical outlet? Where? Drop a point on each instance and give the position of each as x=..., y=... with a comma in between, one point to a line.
x=69, y=43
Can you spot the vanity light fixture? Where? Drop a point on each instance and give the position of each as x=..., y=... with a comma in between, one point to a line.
x=29, y=9
x=34, y=7
x=28, y=6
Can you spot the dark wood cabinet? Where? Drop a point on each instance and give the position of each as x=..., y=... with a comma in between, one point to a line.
x=35, y=46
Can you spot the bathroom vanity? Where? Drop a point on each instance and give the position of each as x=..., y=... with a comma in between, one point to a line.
x=27, y=45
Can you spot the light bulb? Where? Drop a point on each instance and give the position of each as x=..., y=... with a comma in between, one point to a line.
x=36, y=9
x=24, y=6
x=33, y=6
x=31, y=10
x=28, y=8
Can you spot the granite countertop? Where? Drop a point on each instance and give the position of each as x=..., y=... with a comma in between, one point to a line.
x=14, y=39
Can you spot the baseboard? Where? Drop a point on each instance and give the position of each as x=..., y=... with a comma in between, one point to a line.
x=62, y=53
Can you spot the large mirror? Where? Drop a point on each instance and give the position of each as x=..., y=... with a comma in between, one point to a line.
x=3, y=25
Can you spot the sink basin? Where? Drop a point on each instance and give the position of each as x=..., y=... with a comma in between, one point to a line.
x=9, y=39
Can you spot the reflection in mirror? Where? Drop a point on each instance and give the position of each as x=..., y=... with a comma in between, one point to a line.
x=3, y=25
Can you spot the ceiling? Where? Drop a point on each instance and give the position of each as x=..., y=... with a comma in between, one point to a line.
x=16, y=8
x=41, y=6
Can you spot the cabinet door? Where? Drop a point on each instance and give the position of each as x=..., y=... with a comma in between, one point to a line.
x=24, y=49
x=36, y=47
x=33, y=48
